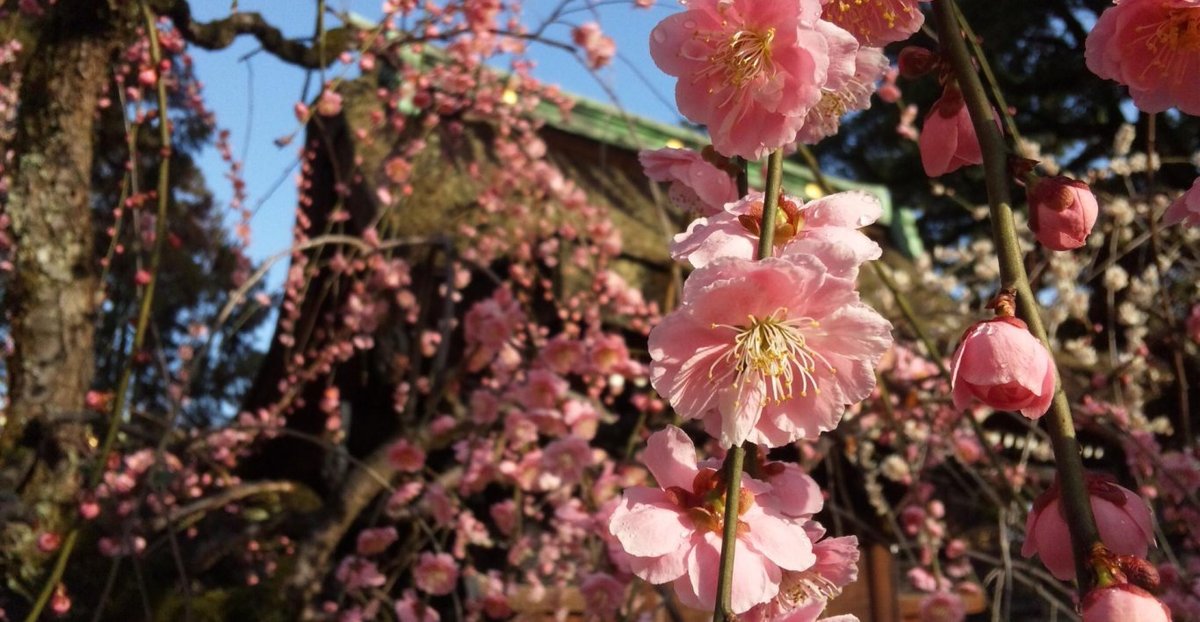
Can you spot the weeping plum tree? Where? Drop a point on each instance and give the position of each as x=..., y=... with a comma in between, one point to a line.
x=526, y=366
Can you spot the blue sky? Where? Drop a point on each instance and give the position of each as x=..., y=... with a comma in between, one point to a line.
x=252, y=93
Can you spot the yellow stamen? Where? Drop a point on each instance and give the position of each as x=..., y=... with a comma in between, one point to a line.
x=740, y=59
x=799, y=588
x=773, y=349
x=1178, y=34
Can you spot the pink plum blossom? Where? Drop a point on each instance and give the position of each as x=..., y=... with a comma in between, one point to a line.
x=375, y=541
x=1153, y=47
x=329, y=103
x=889, y=92
x=598, y=46
x=357, y=573
x=1062, y=212
x=1123, y=520
x=747, y=70
x=604, y=595
x=849, y=87
x=828, y=228
x=1186, y=208
x=793, y=492
x=561, y=354
x=1121, y=602
x=410, y=609
x=406, y=456
x=876, y=22
x=1001, y=364
x=435, y=573
x=697, y=185
x=563, y=462
x=673, y=533
x=804, y=595
x=490, y=325
x=948, y=141
x=943, y=606
x=768, y=351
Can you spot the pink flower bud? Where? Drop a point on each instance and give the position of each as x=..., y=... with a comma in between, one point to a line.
x=1121, y=602
x=48, y=541
x=1193, y=324
x=948, y=141
x=1062, y=212
x=374, y=541
x=60, y=602
x=1122, y=518
x=916, y=61
x=329, y=104
x=1002, y=365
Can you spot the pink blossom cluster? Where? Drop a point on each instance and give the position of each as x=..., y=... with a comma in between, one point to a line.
x=767, y=347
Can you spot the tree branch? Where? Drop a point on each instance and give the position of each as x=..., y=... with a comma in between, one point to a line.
x=221, y=33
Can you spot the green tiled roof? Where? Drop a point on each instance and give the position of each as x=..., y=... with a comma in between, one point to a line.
x=610, y=125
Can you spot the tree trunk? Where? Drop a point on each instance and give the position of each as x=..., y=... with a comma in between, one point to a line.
x=51, y=298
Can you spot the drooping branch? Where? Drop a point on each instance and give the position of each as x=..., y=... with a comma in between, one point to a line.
x=221, y=33
x=1061, y=427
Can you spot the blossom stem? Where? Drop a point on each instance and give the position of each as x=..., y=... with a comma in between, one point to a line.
x=733, y=486
x=743, y=176
x=1068, y=460
x=736, y=458
x=766, y=236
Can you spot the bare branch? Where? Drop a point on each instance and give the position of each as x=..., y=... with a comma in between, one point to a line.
x=221, y=33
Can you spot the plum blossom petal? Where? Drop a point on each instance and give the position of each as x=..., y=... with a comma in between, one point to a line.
x=671, y=458
x=661, y=569
x=697, y=185
x=757, y=578
x=781, y=540
x=648, y=525
x=799, y=494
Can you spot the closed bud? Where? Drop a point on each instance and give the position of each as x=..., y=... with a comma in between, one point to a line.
x=1002, y=365
x=948, y=140
x=1124, y=523
x=917, y=61
x=1062, y=212
x=1123, y=603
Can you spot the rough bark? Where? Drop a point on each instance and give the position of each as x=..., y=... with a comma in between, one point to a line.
x=51, y=299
